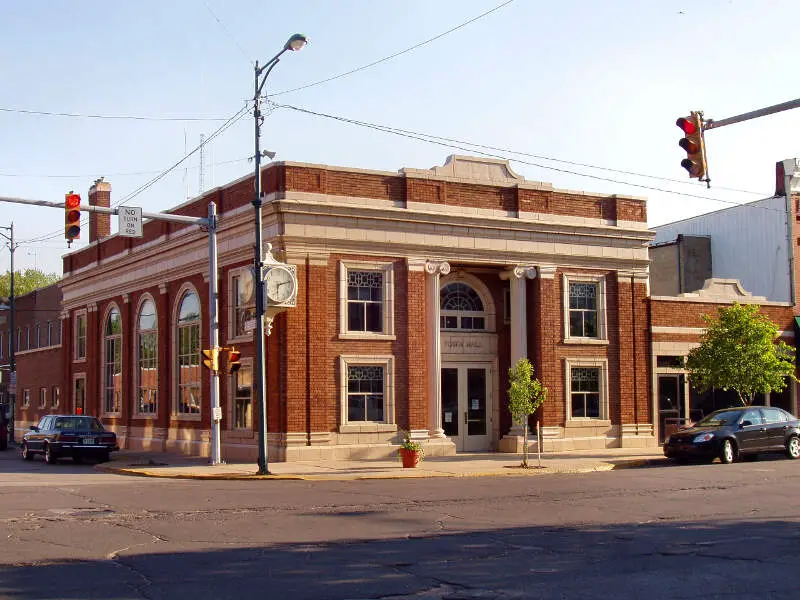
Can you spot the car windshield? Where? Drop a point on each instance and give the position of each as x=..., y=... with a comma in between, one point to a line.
x=718, y=419
x=78, y=424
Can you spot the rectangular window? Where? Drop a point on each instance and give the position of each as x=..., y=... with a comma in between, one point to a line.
x=583, y=309
x=669, y=362
x=80, y=336
x=38, y=336
x=56, y=397
x=365, y=393
x=243, y=398
x=189, y=370
x=27, y=337
x=585, y=392
x=243, y=302
x=26, y=398
x=42, y=397
x=49, y=333
x=365, y=301
x=2, y=347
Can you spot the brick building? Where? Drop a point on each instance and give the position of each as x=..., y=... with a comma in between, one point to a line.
x=417, y=291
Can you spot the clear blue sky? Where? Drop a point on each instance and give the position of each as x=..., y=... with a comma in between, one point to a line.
x=599, y=83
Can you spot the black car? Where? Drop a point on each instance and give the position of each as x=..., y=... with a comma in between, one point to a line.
x=732, y=433
x=76, y=436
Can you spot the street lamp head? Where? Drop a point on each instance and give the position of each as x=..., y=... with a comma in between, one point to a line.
x=296, y=42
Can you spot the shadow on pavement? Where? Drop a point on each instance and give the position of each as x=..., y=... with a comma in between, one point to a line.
x=654, y=561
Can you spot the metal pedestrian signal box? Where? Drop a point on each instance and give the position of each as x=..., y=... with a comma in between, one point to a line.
x=72, y=216
x=693, y=143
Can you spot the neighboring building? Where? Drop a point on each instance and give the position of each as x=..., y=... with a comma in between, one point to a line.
x=38, y=357
x=747, y=253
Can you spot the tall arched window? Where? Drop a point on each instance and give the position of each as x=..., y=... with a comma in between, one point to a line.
x=461, y=308
x=112, y=362
x=188, y=340
x=147, y=358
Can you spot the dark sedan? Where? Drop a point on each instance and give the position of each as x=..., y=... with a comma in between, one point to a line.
x=75, y=436
x=732, y=433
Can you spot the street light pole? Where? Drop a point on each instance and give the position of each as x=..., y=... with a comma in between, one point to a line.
x=11, y=362
x=294, y=43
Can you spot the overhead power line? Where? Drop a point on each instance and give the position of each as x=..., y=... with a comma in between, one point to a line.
x=100, y=116
x=475, y=148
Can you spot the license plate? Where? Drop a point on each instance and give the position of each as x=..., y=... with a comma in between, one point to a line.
x=88, y=441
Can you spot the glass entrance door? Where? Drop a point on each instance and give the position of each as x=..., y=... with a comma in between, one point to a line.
x=465, y=406
x=671, y=404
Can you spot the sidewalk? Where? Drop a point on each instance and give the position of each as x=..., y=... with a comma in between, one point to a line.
x=158, y=464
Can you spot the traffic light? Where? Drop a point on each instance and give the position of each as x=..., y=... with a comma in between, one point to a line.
x=211, y=360
x=72, y=216
x=232, y=365
x=693, y=143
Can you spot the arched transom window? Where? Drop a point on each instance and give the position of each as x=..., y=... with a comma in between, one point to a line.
x=188, y=340
x=112, y=362
x=461, y=308
x=147, y=358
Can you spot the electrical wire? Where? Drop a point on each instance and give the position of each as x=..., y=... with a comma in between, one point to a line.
x=469, y=147
x=98, y=116
x=395, y=55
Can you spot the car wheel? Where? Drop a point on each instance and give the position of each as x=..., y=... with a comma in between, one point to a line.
x=793, y=447
x=49, y=457
x=26, y=453
x=103, y=457
x=728, y=454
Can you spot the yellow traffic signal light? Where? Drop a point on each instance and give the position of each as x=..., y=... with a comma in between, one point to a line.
x=693, y=143
x=72, y=216
x=232, y=364
x=211, y=360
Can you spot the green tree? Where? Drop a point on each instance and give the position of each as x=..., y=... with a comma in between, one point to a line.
x=525, y=395
x=25, y=282
x=739, y=351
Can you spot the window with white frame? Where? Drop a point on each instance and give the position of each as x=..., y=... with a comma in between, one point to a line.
x=26, y=398
x=242, y=382
x=112, y=362
x=19, y=338
x=27, y=337
x=80, y=335
x=587, y=384
x=461, y=308
x=37, y=336
x=147, y=358
x=2, y=346
x=366, y=299
x=42, y=397
x=49, y=333
x=55, y=397
x=367, y=392
x=242, y=303
x=187, y=402
x=584, y=308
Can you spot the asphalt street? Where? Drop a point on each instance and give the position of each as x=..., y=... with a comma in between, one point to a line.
x=660, y=532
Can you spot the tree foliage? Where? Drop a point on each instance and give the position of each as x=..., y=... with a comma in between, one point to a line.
x=525, y=395
x=25, y=282
x=739, y=351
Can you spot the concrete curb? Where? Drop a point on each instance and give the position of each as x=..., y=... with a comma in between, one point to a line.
x=507, y=472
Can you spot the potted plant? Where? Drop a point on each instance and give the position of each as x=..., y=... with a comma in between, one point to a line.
x=410, y=452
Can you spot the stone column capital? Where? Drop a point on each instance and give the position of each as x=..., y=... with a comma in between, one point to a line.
x=519, y=272
x=437, y=268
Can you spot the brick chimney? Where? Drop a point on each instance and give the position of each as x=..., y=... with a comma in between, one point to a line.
x=99, y=223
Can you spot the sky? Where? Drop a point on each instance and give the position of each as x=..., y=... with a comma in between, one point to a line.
x=582, y=94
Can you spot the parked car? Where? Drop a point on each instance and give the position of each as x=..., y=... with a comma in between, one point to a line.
x=732, y=433
x=75, y=436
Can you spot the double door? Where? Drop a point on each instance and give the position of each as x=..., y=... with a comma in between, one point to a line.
x=466, y=401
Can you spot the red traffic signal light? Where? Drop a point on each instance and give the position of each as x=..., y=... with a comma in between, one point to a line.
x=72, y=216
x=693, y=143
x=233, y=363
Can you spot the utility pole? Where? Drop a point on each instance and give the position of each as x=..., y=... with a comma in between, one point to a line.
x=12, y=342
x=207, y=223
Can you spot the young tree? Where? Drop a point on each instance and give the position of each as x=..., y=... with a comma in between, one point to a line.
x=525, y=395
x=25, y=282
x=739, y=351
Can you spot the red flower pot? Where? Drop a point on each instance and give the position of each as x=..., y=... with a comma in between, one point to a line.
x=410, y=457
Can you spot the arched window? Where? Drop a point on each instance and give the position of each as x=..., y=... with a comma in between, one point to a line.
x=461, y=308
x=188, y=340
x=112, y=362
x=147, y=358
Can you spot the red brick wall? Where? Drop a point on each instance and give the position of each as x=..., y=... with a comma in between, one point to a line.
x=416, y=358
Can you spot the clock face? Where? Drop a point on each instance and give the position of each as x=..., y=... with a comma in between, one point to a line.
x=280, y=285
